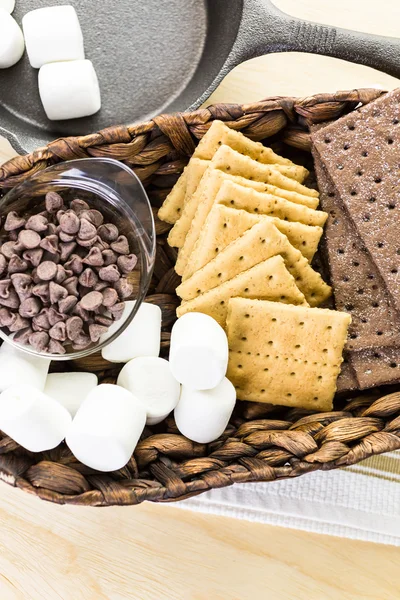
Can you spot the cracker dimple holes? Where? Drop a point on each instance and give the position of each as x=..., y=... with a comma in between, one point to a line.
x=375, y=304
x=351, y=127
x=225, y=225
x=353, y=193
x=356, y=263
x=393, y=365
x=340, y=251
x=340, y=167
x=232, y=202
x=378, y=179
x=327, y=140
x=297, y=346
x=359, y=173
x=247, y=316
x=244, y=339
x=379, y=333
x=270, y=343
x=391, y=205
x=380, y=244
x=394, y=270
x=273, y=319
x=372, y=199
x=219, y=275
x=390, y=141
x=349, y=307
x=289, y=395
x=241, y=257
x=395, y=121
x=364, y=153
x=246, y=289
x=222, y=302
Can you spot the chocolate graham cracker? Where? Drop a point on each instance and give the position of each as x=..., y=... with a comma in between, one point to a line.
x=377, y=366
x=361, y=154
x=358, y=286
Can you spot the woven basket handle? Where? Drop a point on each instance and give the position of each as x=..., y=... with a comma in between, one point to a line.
x=266, y=29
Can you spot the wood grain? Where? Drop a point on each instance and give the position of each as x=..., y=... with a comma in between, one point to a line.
x=159, y=552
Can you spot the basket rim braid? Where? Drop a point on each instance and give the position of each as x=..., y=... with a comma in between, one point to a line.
x=261, y=442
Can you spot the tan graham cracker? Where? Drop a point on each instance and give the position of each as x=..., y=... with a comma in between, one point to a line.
x=285, y=355
x=269, y=280
x=171, y=208
x=255, y=245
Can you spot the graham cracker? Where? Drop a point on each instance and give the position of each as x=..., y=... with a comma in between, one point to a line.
x=224, y=225
x=361, y=154
x=195, y=172
x=233, y=162
x=262, y=241
x=171, y=208
x=237, y=196
x=219, y=134
x=285, y=355
x=269, y=280
x=377, y=366
x=347, y=380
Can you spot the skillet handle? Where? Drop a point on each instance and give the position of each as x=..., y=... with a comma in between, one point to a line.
x=289, y=34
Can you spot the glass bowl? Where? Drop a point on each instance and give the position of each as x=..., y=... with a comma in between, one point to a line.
x=114, y=189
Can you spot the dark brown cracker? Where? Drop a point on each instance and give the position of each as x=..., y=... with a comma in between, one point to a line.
x=347, y=380
x=377, y=366
x=361, y=154
x=357, y=284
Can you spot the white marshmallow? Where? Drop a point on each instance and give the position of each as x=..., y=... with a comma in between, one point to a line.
x=32, y=419
x=52, y=34
x=202, y=415
x=199, y=351
x=70, y=389
x=141, y=338
x=7, y=5
x=69, y=90
x=106, y=428
x=149, y=378
x=12, y=43
x=17, y=365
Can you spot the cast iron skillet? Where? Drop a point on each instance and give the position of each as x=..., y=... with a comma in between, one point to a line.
x=157, y=56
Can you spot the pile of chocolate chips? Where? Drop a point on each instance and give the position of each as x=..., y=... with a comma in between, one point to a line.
x=63, y=275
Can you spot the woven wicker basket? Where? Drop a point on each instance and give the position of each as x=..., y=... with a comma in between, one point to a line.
x=261, y=442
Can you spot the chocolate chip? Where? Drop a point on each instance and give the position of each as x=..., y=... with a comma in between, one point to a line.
x=110, y=257
x=88, y=278
x=95, y=331
x=87, y=230
x=5, y=288
x=13, y=221
x=30, y=307
x=55, y=316
x=50, y=243
x=37, y=223
x=81, y=342
x=101, y=244
x=121, y=245
x=100, y=285
x=110, y=273
x=91, y=301
x=87, y=243
x=41, y=290
x=55, y=258
x=33, y=256
x=124, y=288
x=108, y=232
x=3, y=264
x=12, y=300
x=58, y=332
x=110, y=297
x=13, y=236
x=74, y=264
x=93, y=216
x=46, y=270
x=78, y=205
x=56, y=348
x=51, y=229
x=94, y=258
x=29, y=239
x=22, y=336
x=127, y=263
x=39, y=340
x=66, y=305
x=57, y=292
x=71, y=285
x=19, y=323
x=41, y=321
x=69, y=222
x=79, y=311
x=66, y=237
x=6, y=317
x=17, y=265
x=22, y=283
x=117, y=310
x=73, y=327
x=10, y=248
x=66, y=249
x=61, y=274
x=53, y=202
x=102, y=320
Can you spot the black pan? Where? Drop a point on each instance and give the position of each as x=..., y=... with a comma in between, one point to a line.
x=156, y=56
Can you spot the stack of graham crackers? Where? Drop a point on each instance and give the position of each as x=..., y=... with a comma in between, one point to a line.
x=247, y=229
x=357, y=162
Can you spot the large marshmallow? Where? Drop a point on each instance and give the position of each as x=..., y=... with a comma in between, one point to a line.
x=11, y=40
x=69, y=90
x=7, y=5
x=199, y=351
x=142, y=337
x=70, y=389
x=32, y=419
x=202, y=415
x=106, y=428
x=17, y=366
x=149, y=378
x=52, y=34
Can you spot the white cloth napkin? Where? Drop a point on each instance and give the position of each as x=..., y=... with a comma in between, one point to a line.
x=360, y=502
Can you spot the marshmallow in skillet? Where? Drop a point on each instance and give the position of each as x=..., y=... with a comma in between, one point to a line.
x=17, y=365
x=199, y=351
x=69, y=90
x=32, y=419
x=70, y=389
x=52, y=34
x=11, y=40
x=150, y=380
x=202, y=415
x=106, y=428
x=141, y=337
x=7, y=5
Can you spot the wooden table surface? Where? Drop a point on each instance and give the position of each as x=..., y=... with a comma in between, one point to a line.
x=158, y=552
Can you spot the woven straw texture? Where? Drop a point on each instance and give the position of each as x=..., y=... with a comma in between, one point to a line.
x=261, y=442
